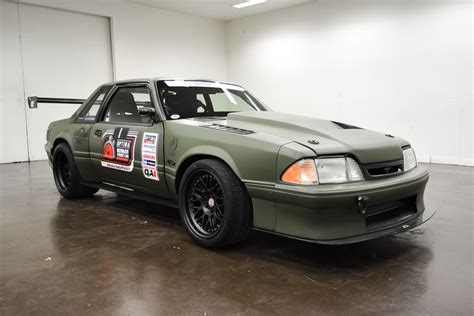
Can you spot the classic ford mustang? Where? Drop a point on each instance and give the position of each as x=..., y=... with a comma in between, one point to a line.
x=231, y=164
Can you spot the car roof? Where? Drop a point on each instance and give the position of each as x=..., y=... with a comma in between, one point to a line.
x=154, y=79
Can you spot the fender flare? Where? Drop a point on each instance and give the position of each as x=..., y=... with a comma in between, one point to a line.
x=206, y=150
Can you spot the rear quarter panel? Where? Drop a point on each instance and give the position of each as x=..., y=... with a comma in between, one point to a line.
x=76, y=136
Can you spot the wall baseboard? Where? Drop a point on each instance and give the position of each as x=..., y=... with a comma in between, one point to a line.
x=446, y=160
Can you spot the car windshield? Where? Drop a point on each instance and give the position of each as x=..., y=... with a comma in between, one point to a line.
x=187, y=99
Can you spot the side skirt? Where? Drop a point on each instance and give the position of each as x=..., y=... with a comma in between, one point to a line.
x=132, y=193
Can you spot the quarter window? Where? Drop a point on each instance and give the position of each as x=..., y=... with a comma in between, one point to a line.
x=90, y=111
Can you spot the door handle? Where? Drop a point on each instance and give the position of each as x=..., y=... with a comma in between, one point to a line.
x=98, y=132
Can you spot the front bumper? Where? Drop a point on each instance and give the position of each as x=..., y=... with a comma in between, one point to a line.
x=410, y=224
x=331, y=214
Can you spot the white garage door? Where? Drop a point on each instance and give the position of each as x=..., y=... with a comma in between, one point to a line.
x=65, y=54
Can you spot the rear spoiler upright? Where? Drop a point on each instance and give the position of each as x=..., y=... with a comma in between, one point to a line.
x=34, y=100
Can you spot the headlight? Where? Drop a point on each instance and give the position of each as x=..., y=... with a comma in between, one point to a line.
x=338, y=170
x=322, y=171
x=409, y=159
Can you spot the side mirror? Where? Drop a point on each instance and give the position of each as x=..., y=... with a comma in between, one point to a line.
x=148, y=111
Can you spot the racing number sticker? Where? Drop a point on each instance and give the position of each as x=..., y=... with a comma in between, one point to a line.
x=149, y=159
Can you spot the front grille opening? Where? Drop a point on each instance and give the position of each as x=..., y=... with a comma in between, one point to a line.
x=389, y=213
x=386, y=170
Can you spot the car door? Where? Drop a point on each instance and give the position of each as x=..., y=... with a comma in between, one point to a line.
x=126, y=147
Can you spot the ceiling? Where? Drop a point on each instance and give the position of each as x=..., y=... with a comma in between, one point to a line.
x=218, y=9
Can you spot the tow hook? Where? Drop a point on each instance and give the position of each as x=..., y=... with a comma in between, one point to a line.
x=362, y=202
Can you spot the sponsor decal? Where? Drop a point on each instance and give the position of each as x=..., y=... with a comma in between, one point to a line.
x=81, y=135
x=118, y=147
x=149, y=156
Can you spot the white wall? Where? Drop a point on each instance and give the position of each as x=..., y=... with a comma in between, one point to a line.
x=145, y=42
x=402, y=67
x=65, y=54
x=152, y=42
x=13, y=144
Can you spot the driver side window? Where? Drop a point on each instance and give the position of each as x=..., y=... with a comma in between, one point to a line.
x=125, y=104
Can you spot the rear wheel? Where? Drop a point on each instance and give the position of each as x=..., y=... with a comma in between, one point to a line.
x=214, y=204
x=66, y=175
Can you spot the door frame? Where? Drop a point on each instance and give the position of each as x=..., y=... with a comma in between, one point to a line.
x=94, y=156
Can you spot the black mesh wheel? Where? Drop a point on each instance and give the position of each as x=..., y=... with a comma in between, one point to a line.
x=214, y=204
x=206, y=205
x=66, y=175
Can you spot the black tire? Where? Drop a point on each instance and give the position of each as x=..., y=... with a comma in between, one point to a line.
x=224, y=200
x=66, y=175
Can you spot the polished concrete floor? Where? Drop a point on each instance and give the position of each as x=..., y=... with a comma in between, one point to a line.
x=114, y=255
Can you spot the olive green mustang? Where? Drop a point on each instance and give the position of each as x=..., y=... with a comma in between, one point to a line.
x=231, y=164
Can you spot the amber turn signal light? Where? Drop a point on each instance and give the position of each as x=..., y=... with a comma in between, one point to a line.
x=301, y=172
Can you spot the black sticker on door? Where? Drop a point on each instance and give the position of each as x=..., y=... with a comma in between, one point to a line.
x=118, y=147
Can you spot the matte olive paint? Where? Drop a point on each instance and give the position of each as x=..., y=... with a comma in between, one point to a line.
x=367, y=146
x=319, y=212
x=135, y=178
x=332, y=212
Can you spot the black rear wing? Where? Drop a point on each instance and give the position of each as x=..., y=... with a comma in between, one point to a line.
x=34, y=100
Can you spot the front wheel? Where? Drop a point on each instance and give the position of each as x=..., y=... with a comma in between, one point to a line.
x=66, y=175
x=214, y=204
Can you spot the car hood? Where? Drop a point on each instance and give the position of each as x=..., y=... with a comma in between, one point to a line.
x=324, y=137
